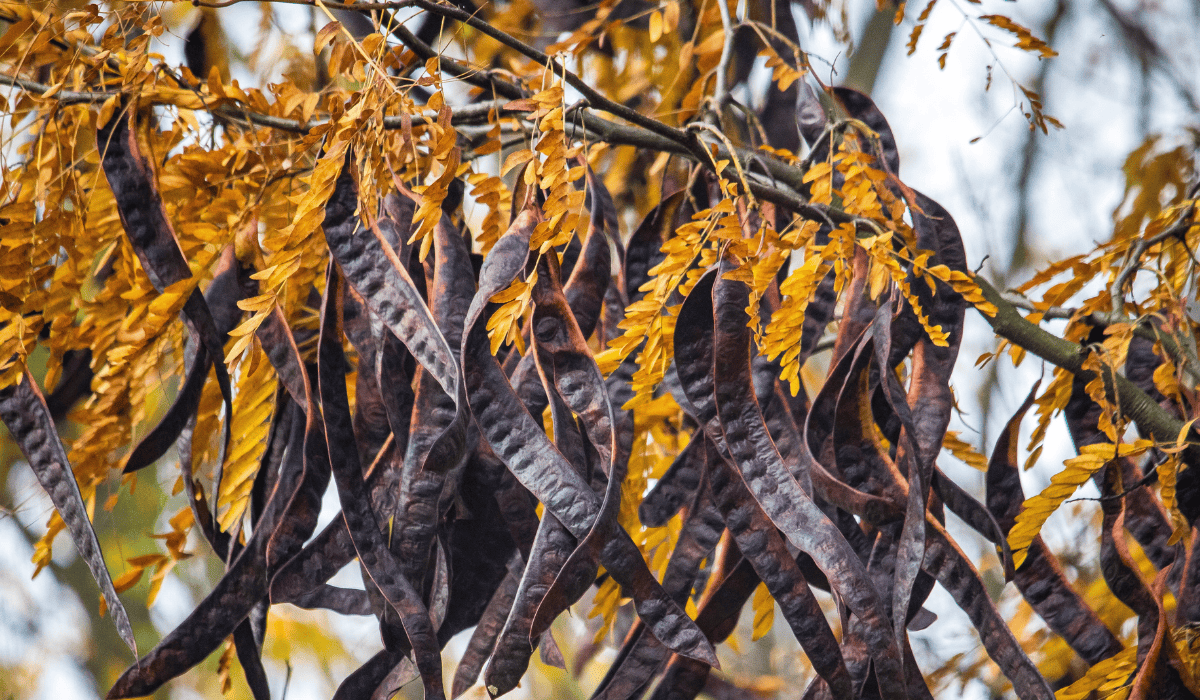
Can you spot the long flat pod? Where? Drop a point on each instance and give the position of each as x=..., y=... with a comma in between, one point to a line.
x=766, y=551
x=521, y=444
x=242, y=586
x=641, y=655
x=702, y=353
x=483, y=639
x=365, y=530
x=344, y=601
x=1041, y=578
x=644, y=249
x=312, y=566
x=282, y=352
x=552, y=549
x=222, y=296
x=509, y=657
x=946, y=562
x=480, y=546
x=684, y=678
x=567, y=367
x=437, y=435
x=384, y=284
x=144, y=217
x=675, y=487
x=584, y=293
x=910, y=454
x=23, y=410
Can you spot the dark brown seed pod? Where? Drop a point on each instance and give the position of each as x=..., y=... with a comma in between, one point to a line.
x=24, y=412
x=436, y=449
x=242, y=586
x=766, y=551
x=1041, y=579
x=946, y=562
x=520, y=443
x=144, y=217
x=222, y=296
x=732, y=419
x=338, y=450
x=487, y=632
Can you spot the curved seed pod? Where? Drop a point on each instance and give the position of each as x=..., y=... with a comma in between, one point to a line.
x=929, y=396
x=231, y=600
x=366, y=679
x=827, y=482
x=641, y=655
x=437, y=435
x=681, y=481
x=249, y=656
x=816, y=437
x=521, y=444
x=548, y=561
x=860, y=106
x=480, y=547
x=286, y=415
x=378, y=276
x=510, y=656
x=645, y=246
x=684, y=678
x=222, y=296
x=860, y=459
x=734, y=422
x=564, y=358
x=487, y=632
x=548, y=564
x=24, y=412
x=910, y=453
x=365, y=530
x=327, y=554
x=946, y=562
x=587, y=282
x=584, y=292
x=301, y=489
x=697, y=540
x=1117, y=564
x=1041, y=579
x=144, y=217
x=761, y=545
x=344, y=601
x=280, y=346
x=518, y=507
x=974, y=514
x=131, y=177
x=1156, y=677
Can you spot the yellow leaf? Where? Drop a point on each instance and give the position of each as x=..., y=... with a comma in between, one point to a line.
x=764, y=612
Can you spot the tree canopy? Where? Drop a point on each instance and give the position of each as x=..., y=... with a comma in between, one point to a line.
x=620, y=308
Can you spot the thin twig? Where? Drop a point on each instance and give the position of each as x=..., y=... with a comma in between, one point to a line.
x=467, y=115
x=721, y=91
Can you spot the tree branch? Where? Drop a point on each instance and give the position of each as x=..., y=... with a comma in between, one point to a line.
x=1009, y=324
